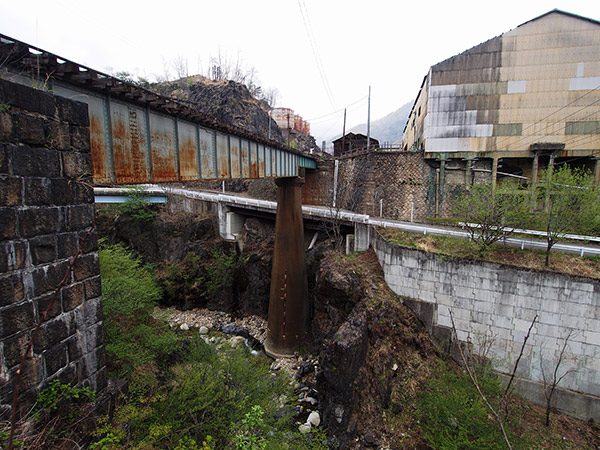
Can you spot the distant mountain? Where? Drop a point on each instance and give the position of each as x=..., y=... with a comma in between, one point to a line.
x=387, y=129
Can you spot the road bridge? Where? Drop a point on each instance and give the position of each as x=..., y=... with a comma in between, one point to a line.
x=138, y=136
x=230, y=206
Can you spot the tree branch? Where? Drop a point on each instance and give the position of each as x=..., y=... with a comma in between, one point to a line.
x=512, y=376
x=473, y=378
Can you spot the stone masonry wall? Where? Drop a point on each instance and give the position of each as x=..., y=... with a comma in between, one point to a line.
x=318, y=184
x=400, y=179
x=46, y=208
x=495, y=304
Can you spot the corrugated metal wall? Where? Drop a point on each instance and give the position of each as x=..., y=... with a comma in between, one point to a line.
x=539, y=82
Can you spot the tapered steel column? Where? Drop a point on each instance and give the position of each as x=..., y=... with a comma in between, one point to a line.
x=288, y=303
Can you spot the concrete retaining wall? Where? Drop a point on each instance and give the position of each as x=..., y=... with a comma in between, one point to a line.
x=46, y=208
x=494, y=305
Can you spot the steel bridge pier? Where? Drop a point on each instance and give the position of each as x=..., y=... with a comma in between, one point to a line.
x=288, y=302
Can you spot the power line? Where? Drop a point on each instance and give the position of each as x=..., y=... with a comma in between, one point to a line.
x=334, y=113
x=315, y=51
x=551, y=114
x=532, y=138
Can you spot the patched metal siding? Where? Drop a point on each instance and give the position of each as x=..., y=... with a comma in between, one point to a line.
x=539, y=82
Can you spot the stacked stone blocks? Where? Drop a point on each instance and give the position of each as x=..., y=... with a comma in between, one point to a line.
x=46, y=214
x=395, y=184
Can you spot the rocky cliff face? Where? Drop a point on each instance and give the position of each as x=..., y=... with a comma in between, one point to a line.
x=232, y=103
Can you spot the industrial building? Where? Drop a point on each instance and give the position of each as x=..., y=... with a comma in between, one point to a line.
x=512, y=105
x=287, y=119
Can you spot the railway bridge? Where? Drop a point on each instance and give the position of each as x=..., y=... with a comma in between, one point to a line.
x=139, y=136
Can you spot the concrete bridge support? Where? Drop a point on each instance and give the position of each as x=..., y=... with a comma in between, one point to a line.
x=288, y=303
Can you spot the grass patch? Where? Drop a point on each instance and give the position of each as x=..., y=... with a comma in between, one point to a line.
x=463, y=248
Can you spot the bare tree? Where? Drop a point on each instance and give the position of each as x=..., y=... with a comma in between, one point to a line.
x=504, y=400
x=473, y=376
x=489, y=212
x=180, y=65
x=551, y=385
x=271, y=96
x=345, y=199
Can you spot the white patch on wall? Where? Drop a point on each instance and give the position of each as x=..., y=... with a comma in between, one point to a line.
x=452, y=144
x=580, y=69
x=448, y=123
x=517, y=87
x=584, y=84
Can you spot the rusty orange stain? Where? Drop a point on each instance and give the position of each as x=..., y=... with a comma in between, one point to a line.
x=99, y=151
x=163, y=158
x=253, y=170
x=188, y=159
x=121, y=151
x=223, y=166
x=235, y=161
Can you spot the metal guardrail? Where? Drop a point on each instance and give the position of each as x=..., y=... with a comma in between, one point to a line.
x=573, y=237
x=348, y=216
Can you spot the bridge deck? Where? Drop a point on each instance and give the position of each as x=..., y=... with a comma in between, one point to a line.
x=138, y=136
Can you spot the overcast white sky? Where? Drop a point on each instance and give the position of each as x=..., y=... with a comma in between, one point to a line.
x=386, y=44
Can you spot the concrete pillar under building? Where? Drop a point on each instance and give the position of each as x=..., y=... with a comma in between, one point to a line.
x=468, y=172
x=288, y=302
x=535, y=167
x=494, y=171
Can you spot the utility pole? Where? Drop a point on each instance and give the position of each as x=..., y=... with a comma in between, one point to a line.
x=369, y=121
x=343, y=135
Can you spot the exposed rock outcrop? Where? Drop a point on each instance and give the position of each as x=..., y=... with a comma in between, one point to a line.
x=232, y=103
x=341, y=360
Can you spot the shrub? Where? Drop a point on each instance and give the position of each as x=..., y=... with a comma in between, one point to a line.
x=452, y=414
x=136, y=206
x=137, y=345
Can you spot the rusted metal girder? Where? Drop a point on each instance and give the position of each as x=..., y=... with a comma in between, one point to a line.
x=138, y=136
x=288, y=302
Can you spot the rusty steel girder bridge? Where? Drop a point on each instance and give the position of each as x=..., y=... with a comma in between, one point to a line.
x=139, y=136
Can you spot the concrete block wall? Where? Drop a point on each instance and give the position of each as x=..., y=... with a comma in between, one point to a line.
x=46, y=208
x=495, y=304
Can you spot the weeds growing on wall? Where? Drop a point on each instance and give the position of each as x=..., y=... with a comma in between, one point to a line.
x=58, y=413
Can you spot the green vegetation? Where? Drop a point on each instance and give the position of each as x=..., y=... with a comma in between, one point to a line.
x=490, y=213
x=60, y=408
x=183, y=393
x=570, y=204
x=137, y=205
x=452, y=414
x=564, y=201
x=201, y=276
x=222, y=270
x=57, y=392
